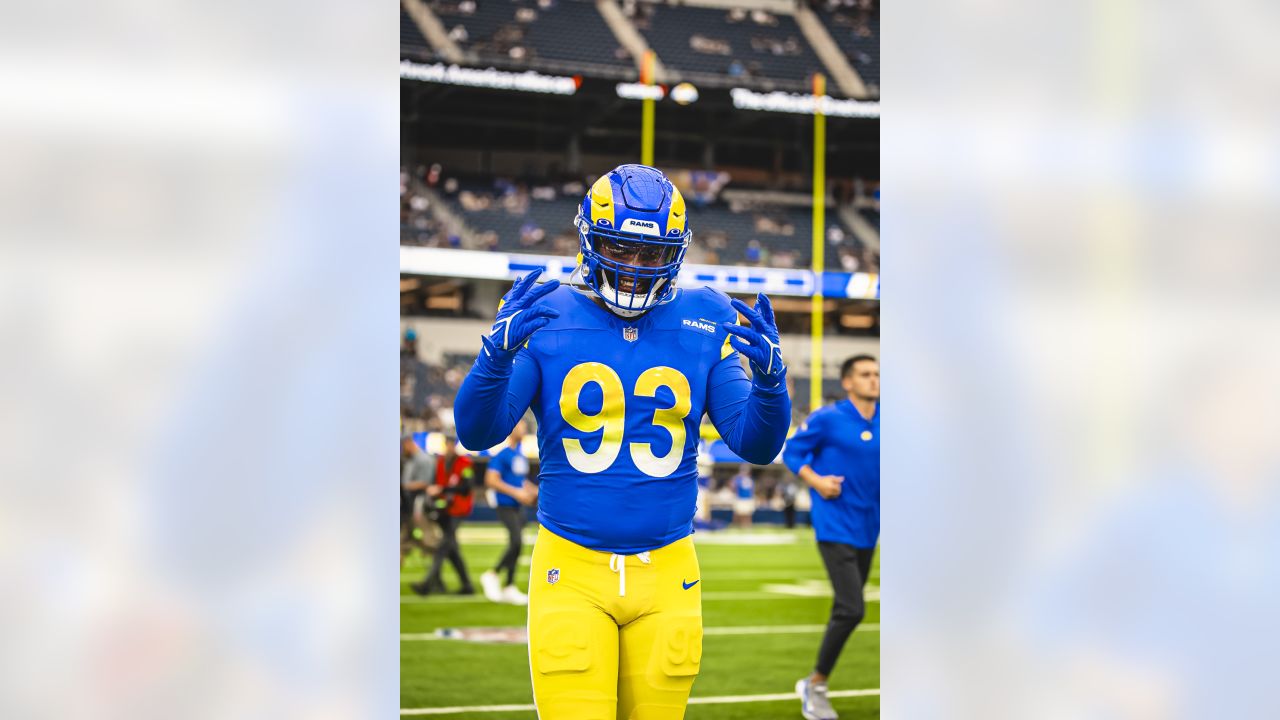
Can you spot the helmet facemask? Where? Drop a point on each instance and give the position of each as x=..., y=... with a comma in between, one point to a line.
x=631, y=272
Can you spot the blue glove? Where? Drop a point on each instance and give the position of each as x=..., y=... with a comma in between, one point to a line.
x=759, y=342
x=519, y=315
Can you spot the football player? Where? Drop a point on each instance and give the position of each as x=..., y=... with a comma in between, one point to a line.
x=619, y=371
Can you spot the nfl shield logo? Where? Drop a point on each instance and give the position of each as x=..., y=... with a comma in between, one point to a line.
x=553, y=575
x=630, y=334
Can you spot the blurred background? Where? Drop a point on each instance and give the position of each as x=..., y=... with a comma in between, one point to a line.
x=200, y=374
x=510, y=110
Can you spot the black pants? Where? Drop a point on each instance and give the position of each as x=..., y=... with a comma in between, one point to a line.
x=448, y=548
x=848, y=567
x=789, y=514
x=513, y=519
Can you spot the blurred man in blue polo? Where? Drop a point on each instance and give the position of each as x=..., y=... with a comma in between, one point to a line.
x=507, y=478
x=837, y=454
x=619, y=368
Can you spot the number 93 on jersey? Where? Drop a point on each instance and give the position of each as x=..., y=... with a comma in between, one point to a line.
x=645, y=419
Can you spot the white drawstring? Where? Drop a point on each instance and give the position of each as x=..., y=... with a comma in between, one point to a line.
x=618, y=564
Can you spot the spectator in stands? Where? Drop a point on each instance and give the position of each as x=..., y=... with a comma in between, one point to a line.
x=409, y=346
x=763, y=17
x=708, y=46
x=531, y=235
x=848, y=260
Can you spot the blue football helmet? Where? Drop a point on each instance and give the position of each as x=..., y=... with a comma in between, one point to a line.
x=634, y=233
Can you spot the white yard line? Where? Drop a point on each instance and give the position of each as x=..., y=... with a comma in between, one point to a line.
x=716, y=700
x=725, y=630
x=706, y=596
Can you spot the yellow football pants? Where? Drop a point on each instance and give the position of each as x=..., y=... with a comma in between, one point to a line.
x=613, y=637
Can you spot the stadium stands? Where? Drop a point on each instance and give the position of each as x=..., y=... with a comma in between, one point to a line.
x=411, y=38
x=538, y=218
x=728, y=43
x=534, y=32
x=871, y=215
x=855, y=26
x=417, y=224
x=706, y=45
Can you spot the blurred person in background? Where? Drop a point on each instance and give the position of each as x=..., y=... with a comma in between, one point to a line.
x=507, y=478
x=837, y=454
x=452, y=500
x=417, y=472
x=745, y=504
x=409, y=346
x=702, y=513
x=787, y=491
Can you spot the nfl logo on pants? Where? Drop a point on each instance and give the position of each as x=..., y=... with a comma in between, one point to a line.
x=553, y=575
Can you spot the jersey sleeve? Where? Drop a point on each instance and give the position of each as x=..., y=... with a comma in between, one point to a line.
x=802, y=446
x=494, y=396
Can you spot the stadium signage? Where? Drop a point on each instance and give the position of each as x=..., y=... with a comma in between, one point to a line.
x=485, y=264
x=684, y=93
x=529, y=81
x=745, y=99
x=639, y=91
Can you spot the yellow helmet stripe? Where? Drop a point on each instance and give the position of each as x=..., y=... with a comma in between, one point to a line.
x=602, y=201
x=676, y=217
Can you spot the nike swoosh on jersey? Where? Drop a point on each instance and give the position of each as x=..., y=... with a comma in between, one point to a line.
x=688, y=585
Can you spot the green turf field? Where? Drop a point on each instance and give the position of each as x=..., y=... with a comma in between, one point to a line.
x=765, y=600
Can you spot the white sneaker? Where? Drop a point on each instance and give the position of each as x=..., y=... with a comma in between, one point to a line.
x=513, y=595
x=814, y=704
x=492, y=587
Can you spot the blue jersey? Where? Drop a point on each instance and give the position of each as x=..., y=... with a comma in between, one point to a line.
x=513, y=467
x=837, y=440
x=744, y=486
x=619, y=403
